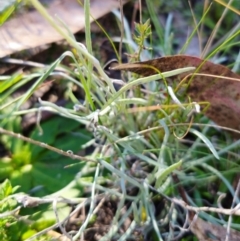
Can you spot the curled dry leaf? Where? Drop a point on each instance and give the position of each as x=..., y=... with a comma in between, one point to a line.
x=29, y=29
x=210, y=82
x=209, y=232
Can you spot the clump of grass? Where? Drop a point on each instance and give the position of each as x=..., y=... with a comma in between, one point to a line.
x=136, y=151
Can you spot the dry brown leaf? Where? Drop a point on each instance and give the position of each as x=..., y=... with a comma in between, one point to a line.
x=205, y=231
x=211, y=82
x=30, y=29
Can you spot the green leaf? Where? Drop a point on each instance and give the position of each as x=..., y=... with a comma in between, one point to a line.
x=7, y=7
x=206, y=141
x=17, y=230
x=5, y=169
x=5, y=189
x=161, y=175
x=6, y=84
x=59, y=132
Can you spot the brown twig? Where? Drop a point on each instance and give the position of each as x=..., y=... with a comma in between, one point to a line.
x=44, y=145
